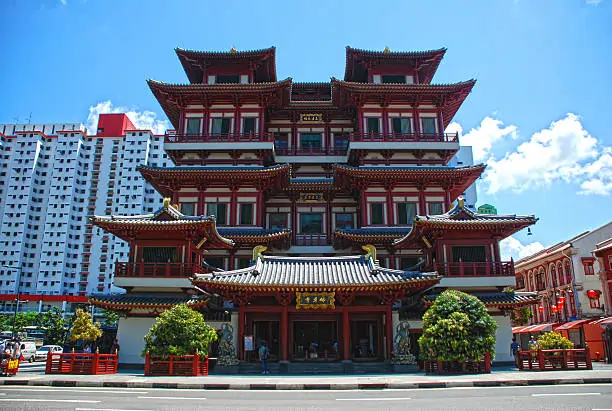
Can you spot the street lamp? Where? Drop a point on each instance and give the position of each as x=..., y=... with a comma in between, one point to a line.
x=18, y=269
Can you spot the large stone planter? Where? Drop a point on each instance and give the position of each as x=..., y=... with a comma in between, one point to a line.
x=456, y=367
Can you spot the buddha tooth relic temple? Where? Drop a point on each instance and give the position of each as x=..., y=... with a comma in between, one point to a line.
x=321, y=218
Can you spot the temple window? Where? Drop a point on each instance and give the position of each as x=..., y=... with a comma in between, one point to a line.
x=159, y=255
x=281, y=141
x=248, y=125
x=341, y=140
x=311, y=140
x=428, y=125
x=193, y=126
x=408, y=262
x=373, y=124
x=243, y=262
x=435, y=208
x=221, y=125
x=377, y=213
x=278, y=220
x=217, y=262
x=595, y=302
x=344, y=220
x=227, y=79
x=406, y=213
x=401, y=125
x=393, y=78
x=471, y=253
x=246, y=213
x=188, y=208
x=219, y=210
x=311, y=223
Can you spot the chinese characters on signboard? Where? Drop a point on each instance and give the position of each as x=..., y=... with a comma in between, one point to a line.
x=315, y=301
x=311, y=117
x=311, y=198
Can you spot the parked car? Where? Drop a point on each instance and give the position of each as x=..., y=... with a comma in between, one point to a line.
x=42, y=352
x=28, y=350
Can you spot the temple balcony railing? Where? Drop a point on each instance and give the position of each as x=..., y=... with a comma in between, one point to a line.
x=406, y=137
x=310, y=240
x=155, y=270
x=476, y=269
x=254, y=137
x=310, y=151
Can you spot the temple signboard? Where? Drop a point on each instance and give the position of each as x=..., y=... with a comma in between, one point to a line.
x=311, y=117
x=311, y=198
x=315, y=301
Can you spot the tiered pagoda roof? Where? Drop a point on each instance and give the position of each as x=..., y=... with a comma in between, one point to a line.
x=148, y=301
x=168, y=179
x=461, y=218
x=370, y=235
x=359, y=61
x=501, y=300
x=196, y=63
x=275, y=273
x=167, y=222
x=252, y=236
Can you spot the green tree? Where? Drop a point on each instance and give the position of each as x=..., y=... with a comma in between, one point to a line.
x=24, y=319
x=521, y=316
x=179, y=331
x=83, y=327
x=111, y=318
x=457, y=327
x=554, y=341
x=55, y=326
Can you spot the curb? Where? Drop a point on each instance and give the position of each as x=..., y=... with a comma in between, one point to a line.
x=296, y=387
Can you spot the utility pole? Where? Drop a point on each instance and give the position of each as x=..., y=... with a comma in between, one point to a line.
x=18, y=270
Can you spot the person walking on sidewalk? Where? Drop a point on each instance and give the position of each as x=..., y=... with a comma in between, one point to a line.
x=264, y=356
x=515, y=347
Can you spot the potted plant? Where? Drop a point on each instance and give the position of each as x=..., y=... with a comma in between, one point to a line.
x=458, y=334
x=178, y=343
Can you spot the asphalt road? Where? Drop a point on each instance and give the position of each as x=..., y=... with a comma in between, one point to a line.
x=557, y=398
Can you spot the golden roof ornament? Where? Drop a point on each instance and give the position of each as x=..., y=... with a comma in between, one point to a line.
x=257, y=252
x=386, y=50
x=370, y=250
x=461, y=202
x=166, y=202
x=233, y=50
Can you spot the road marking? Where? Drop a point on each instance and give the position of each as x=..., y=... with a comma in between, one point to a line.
x=567, y=393
x=46, y=400
x=105, y=409
x=146, y=397
x=602, y=409
x=72, y=390
x=374, y=399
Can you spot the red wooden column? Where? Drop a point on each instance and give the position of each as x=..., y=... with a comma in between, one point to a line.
x=284, y=334
x=240, y=334
x=422, y=203
x=346, y=335
x=389, y=331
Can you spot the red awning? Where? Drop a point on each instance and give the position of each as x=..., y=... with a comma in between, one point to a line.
x=517, y=330
x=571, y=325
x=538, y=328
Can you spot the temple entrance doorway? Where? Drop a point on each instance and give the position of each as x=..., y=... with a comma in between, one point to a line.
x=315, y=341
x=365, y=337
x=267, y=331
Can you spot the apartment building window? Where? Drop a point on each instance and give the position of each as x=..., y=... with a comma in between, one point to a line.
x=246, y=214
x=219, y=210
x=406, y=213
x=377, y=216
x=587, y=263
x=278, y=220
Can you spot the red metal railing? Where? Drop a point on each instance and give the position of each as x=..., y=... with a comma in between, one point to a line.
x=181, y=365
x=219, y=138
x=549, y=360
x=407, y=137
x=127, y=269
x=81, y=363
x=476, y=269
x=311, y=239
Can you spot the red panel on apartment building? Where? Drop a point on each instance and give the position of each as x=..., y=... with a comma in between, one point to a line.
x=114, y=125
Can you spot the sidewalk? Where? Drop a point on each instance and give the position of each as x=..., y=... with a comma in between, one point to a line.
x=602, y=373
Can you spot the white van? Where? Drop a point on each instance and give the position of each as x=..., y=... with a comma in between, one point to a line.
x=28, y=350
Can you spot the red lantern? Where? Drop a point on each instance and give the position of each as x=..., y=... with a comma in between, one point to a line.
x=593, y=294
x=559, y=307
x=540, y=308
x=554, y=308
x=562, y=300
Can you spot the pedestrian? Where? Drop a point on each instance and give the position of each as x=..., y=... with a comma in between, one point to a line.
x=16, y=350
x=264, y=356
x=2, y=346
x=515, y=347
x=533, y=344
x=87, y=349
x=115, y=348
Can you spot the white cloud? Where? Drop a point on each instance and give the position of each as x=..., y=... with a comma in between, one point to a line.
x=593, y=2
x=143, y=120
x=512, y=248
x=64, y=2
x=482, y=138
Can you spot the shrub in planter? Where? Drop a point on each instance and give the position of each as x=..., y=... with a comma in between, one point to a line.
x=554, y=341
x=179, y=331
x=457, y=327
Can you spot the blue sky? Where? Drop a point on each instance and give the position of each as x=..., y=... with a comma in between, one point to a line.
x=538, y=114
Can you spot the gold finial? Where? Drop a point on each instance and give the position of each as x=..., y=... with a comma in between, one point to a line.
x=370, y=250
x=233, y=50
x=387, y=50
x=175, y=206
x=166, y=202
x=258, y=251
x=461, y=202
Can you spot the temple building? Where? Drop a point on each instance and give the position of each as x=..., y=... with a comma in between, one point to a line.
x=322, y=218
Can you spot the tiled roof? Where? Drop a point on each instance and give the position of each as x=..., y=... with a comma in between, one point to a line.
x=254, y=235
x=499, y=300
x=354, y=272
x=372, y=234
x=151, y=300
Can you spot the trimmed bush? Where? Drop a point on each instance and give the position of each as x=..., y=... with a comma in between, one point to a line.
x=554, y=341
